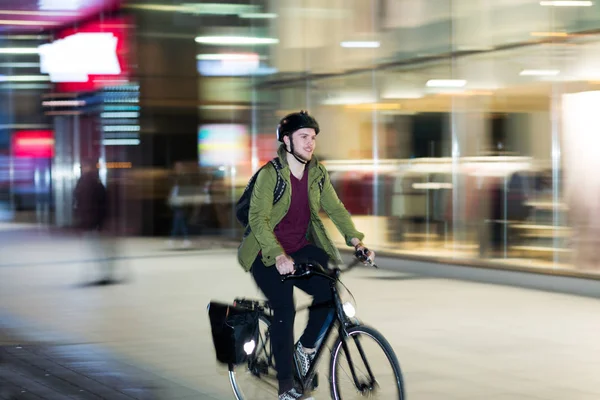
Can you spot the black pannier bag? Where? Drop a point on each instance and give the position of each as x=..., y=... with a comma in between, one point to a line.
x=232, y=327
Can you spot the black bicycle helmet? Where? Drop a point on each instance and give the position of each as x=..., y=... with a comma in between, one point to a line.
x=294, y=121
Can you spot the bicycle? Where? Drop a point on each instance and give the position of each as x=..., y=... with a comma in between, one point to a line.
x=260, y=367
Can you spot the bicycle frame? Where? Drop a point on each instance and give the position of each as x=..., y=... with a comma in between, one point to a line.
x=344, y=323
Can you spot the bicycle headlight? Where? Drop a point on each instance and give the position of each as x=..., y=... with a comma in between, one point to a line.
x=349, y=309
x=249, y=346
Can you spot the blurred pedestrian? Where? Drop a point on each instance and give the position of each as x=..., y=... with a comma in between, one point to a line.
x=179, y=207
x=90, y=210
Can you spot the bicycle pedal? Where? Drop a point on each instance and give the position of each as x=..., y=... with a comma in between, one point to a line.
x=263, y=368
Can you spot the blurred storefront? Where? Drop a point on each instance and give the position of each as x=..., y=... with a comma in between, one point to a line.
x=460, y=130
x=72, y=96
x=445, y=126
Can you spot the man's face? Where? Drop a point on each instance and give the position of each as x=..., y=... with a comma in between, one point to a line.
x=305, y=142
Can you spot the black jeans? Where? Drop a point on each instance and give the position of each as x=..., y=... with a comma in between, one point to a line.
x=281, y=296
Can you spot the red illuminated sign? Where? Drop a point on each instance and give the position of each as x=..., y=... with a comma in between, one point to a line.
x=266, y=146
x=36, y=144
x=89, y=57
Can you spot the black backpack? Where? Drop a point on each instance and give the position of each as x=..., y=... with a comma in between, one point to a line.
x=242, y=207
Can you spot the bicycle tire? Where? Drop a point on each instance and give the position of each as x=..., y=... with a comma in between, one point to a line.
x=245, y=379
x=337, y=350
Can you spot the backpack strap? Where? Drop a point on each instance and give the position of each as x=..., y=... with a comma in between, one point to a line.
x=322, y=180
x=243, y=204
x=277, y=163
x=280, y=184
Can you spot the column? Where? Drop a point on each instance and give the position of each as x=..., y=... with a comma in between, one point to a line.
x=579, y=155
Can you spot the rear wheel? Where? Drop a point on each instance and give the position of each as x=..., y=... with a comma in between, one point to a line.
x=257, y=378
x=365, y=365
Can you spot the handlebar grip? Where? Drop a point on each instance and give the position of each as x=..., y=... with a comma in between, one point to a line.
x=288, y=276
x=307, y=269
x=301, y=271
x=361, y=255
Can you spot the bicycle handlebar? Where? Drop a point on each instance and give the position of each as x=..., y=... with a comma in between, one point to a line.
x=304, y=270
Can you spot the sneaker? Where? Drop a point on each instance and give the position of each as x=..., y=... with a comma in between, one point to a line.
x=303, y=359
x=293, y=394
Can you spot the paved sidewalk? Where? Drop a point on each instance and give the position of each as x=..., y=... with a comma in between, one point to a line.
x=455, y=339
x=81, y=371
x=38, y=362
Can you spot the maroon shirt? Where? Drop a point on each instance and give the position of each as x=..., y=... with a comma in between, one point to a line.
x=291, y=231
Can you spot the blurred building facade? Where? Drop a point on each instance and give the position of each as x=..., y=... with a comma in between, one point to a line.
x=457, y=130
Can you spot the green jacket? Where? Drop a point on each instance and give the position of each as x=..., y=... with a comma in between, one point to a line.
x=264, y=216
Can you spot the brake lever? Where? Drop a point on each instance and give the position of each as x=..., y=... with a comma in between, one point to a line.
x=369, y=263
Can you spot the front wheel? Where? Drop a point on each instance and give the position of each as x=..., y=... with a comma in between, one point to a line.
x=365, y=365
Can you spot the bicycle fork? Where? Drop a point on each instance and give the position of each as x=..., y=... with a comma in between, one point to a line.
x=361, y=387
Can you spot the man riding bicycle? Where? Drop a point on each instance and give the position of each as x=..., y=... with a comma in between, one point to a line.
x=291, y=231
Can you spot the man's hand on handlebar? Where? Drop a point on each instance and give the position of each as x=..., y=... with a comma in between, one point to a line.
x=362, y=252
x=308, y=269
x=284, y=264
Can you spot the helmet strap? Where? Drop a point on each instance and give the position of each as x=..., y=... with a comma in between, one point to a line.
x=292, y=152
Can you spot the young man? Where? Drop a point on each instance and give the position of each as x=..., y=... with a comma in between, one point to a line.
x=291, y=231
